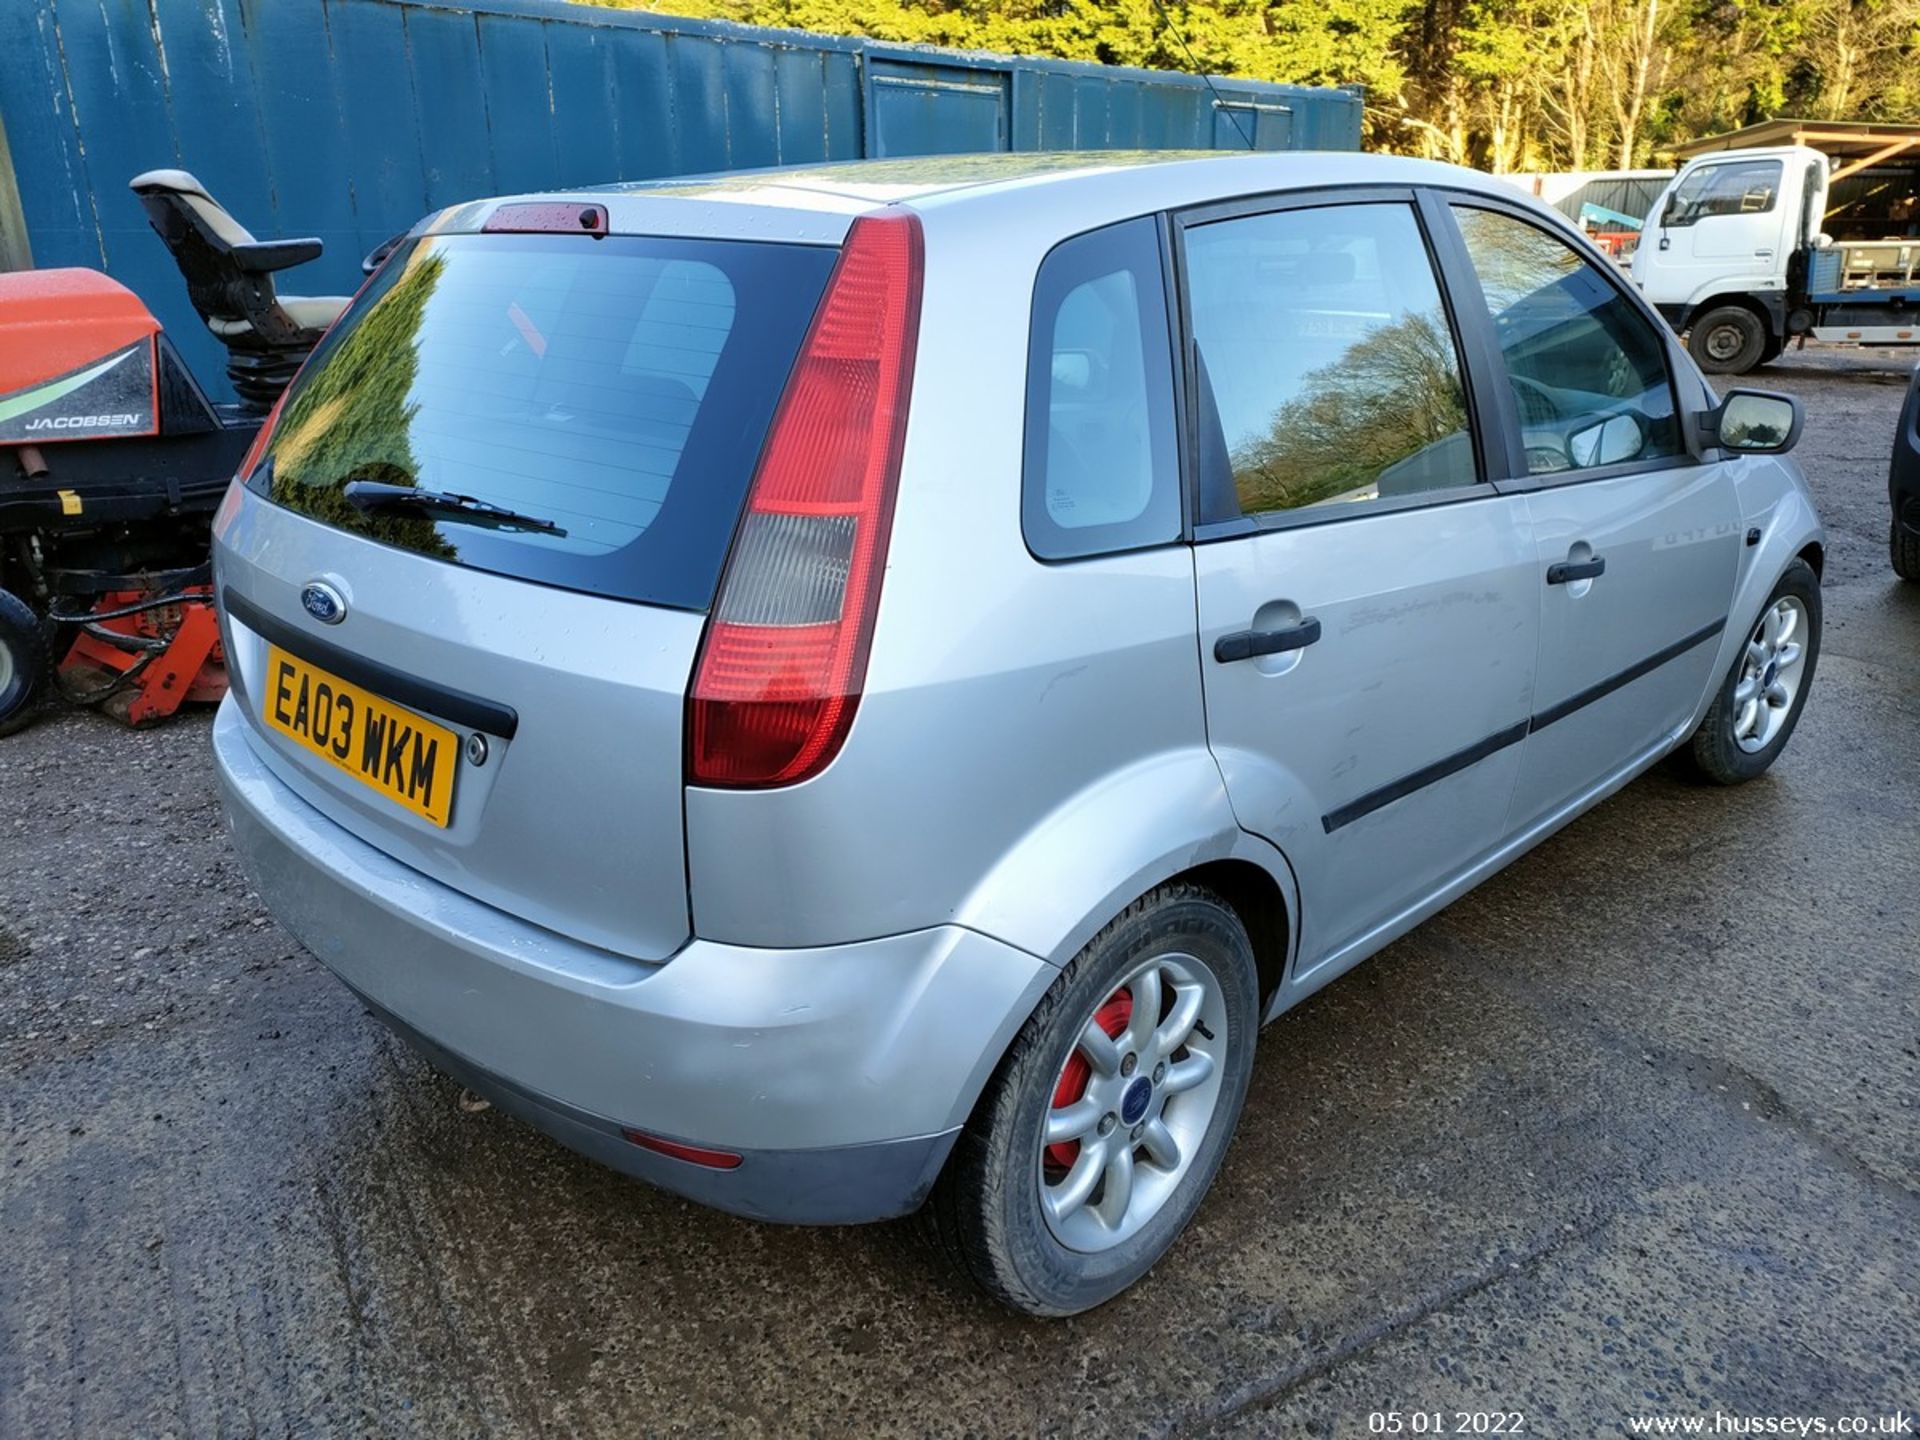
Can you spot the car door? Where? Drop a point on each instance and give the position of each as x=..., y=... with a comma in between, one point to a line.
x=1636, y=540
x=1723, y=220
x=1368, y=622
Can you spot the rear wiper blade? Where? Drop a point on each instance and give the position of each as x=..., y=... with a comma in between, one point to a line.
x=377, y=495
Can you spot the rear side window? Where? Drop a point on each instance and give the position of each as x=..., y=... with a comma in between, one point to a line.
x=1745, y=187
x=616, y=390
x=1102, y=463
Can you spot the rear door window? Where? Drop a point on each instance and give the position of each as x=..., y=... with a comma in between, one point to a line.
x=615, y=390
x=1326, y=368
x=1102, y=457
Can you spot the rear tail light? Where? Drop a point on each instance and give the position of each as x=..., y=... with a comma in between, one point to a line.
x=785, y=654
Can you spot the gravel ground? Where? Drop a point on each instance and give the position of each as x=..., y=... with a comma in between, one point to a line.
x=1633, y=1128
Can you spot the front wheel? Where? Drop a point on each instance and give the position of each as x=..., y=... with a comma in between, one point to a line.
x=1104, y=1125
x=1760, y=700
x=1727, y=340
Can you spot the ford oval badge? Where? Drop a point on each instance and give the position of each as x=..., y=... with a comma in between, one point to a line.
x=324, y=603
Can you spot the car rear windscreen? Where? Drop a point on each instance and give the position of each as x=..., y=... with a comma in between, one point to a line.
x=606, y=397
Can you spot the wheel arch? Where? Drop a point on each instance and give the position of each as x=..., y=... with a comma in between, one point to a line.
x=1775, y=502
x=1262, y=905
x=1163, y=820
x=1769, y=308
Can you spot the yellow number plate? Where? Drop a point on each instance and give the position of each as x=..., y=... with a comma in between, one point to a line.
x=404, y=756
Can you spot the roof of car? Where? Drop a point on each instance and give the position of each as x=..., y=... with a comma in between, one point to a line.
x=818, y=202
x=919, y=177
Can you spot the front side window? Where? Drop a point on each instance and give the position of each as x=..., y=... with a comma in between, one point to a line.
x=1326, y=371
x=1744, y=187
x=1102, y=463
x=1588, y=370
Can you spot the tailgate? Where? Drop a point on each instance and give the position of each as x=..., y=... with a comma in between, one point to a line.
x=574, y=820
x=467, y=575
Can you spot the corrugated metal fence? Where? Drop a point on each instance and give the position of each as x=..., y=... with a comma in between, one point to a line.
x=348, y=119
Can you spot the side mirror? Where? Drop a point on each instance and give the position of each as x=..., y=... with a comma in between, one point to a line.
x=1613, y=441
x=1754, y=422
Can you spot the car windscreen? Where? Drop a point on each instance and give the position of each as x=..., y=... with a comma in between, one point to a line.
x=579, y=412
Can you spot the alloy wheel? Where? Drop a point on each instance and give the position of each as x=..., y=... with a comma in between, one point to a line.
x=1770, y=674
x=1133, y=1102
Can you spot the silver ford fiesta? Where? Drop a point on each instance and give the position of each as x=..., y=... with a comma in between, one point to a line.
x=842, y=690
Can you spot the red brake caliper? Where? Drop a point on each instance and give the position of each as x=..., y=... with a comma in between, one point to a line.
x=1111, y=1017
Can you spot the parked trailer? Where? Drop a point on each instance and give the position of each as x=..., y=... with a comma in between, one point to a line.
x=348, y=119
x=1753, y=242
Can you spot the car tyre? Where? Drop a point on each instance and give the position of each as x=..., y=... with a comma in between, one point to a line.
x=1727, y=340
x=1905, y=548
x=1764, y=691
x=988, y=1211
x=23, y=662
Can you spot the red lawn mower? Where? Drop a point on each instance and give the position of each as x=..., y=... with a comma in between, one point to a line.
x=112, y=460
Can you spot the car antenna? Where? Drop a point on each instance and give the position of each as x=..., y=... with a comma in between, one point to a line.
x=1198, y=69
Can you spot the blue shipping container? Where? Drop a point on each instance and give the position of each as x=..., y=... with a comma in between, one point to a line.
x=349, y=119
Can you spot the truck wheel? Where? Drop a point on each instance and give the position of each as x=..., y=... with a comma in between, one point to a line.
x=23, y=661
x=1727, y=340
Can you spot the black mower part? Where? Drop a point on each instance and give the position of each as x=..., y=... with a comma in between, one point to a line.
x=23, y=661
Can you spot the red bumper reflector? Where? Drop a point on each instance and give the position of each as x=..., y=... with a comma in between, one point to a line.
x=693, y=1154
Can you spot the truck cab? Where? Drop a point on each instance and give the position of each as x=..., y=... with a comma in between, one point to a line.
x=1721, y=242
x=1747, y=248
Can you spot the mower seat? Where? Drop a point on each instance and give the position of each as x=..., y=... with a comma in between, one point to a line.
x=229, y=277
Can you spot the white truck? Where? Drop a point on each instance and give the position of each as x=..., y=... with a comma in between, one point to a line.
x=1743, y=251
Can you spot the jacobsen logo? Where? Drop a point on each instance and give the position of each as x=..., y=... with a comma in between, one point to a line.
x=82, y=422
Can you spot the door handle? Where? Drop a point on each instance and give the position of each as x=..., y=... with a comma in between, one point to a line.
x=1245, y=644
x=1565, y=570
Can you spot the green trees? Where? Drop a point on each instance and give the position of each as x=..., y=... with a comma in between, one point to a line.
x=1503, y=84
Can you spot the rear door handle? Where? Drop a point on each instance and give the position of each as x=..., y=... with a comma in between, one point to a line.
x=1567, y=570
x=1245, y=644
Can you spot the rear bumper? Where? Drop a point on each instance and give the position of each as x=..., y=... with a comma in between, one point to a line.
x=841, y=1074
